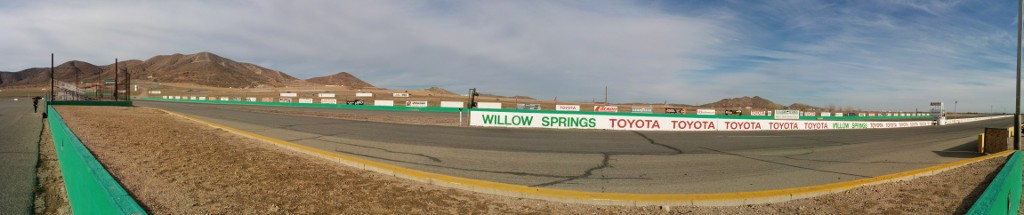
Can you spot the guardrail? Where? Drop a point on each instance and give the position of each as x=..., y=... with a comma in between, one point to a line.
x=90, y=188
x=1002, y=195
x=313, y=105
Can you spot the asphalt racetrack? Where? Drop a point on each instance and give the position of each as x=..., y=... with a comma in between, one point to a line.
x=615, y=161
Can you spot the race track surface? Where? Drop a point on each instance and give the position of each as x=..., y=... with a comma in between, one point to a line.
x=19, y=140
x=615, y=161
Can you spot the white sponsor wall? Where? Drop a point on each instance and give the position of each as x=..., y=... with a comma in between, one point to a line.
x=289, y=95
x=705, y=111
x=155, y=92
x=488, y=105
x=787, y=114
x=567, y=107
x=662, y=123
x=364, y=94
x=325, y=95
x=306, y=100
x=400, y=95
x=225, y=99
x=250, y=99
x=328, y=101
x=383, y=103
x=452, y=104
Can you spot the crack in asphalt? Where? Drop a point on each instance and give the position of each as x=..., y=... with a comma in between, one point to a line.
x=466, y=169
x=784, y=164
x=435, y=159
x=651, y=141
x=588, y=173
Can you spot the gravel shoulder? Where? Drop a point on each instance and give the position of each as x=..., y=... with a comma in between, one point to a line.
x=51, y=196
x=176, y=166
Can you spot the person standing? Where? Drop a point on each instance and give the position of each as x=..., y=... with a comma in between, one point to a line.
x=35, y=104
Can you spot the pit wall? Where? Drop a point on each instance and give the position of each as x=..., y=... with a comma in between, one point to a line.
x=1002, y=195
x=90, y=188
x=664, y=122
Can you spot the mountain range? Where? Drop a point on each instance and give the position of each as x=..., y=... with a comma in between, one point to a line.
x=203, y=68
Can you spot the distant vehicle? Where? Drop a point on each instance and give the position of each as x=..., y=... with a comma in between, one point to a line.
x=354, y=102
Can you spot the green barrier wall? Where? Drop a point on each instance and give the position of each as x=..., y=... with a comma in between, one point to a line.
x=90, y=188
x=1002, y=195
x=441, y=109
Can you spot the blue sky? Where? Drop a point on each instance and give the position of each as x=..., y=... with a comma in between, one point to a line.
x=879, y=55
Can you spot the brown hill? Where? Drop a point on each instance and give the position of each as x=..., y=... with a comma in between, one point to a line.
x=209, y=69
x=341, y=79
x=68, y=72
x=440, y=91
x=756, y=102
x=800, y=106
x=202, y=68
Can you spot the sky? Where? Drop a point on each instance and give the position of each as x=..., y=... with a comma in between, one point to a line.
x=890, y=55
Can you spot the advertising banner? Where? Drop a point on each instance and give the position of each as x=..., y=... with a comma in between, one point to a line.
x=284, y=100
x=705, y=111
x=177, y=97
x=647, y=109
x=325, y=95
x=567, y=107
x=225, y=99
x=837, y=114
x=758, y=113
x=289, y=95
x=787, y=114
x=383, y=103
x=202, y=98
x=488, y=105
x=364, y=94
x=250, y=99
x=400, y=95
x=675, y=110
x=872, y=114
x=267, y=100
x=663, y=123
x=306, y=100
x=415, y=103
x=154, y=92
x=603, y=108
x=528, y=106
x=452, y=104
x=808, y=113
x=329, y=101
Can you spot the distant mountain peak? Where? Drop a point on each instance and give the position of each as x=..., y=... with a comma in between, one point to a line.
x=342, y=79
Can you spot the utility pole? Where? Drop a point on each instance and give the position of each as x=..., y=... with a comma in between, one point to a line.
x=606, y=94
x=1016, y=115
x=115, y=80
x=51, y=78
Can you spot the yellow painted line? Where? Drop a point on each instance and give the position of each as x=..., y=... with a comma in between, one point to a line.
x=737, y=198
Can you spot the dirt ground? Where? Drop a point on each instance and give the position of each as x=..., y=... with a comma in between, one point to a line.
x=51, y=198
x=175, y=166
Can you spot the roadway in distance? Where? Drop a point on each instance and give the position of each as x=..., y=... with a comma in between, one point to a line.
x=615, y=161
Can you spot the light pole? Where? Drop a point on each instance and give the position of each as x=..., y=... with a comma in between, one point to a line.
x=1016, y=115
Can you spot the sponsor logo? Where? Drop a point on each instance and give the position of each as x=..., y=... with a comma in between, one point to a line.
x=567, y=107
x=705, y=111
x=602, y=108
x=400, y=95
